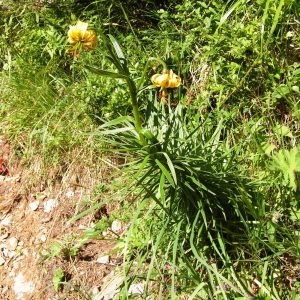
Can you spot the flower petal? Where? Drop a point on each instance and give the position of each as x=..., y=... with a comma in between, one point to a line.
x=160, y=80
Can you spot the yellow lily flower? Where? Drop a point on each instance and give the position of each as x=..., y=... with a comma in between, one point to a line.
x=168, y=79
x=79, y=34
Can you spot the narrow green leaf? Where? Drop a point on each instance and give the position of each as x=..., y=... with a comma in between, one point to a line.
x=276, y=17
x=106, y=73
x=201, y=185
x=120, y=54
x=171, y=167
x=229, y=12
x=142, y=166
x=165, y=172
x=210, y=268
x=174, y=259
x=116, y=121
x=88, y=211
x=162, y=187
x=117, y=130
x=117, y=47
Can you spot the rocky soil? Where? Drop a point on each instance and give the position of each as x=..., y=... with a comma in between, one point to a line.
x=36, y=238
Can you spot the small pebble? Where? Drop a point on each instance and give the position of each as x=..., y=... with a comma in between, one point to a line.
x=70, y=194
x=49, y=205
x=136, y=289
x=103, y=259
x=95, y=291
x=12, y=254
x=21, y=286
x=34, y=205
x=5, y=221
x=116, y=226
x=43, y=238
x=12, y=243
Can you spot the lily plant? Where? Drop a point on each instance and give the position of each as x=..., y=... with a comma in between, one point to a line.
x=83, y=39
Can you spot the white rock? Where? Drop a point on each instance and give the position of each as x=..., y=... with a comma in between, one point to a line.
x=103, y=259
x=12, y=243
x=12, y=254
x=70, y=194
x=6, y=221
x=110, y=287
x=34, y=205
x=116, y=226
x=136, y=289
x=43, y=238
x=95, y=291
x=2, y=261
x=49, y=205
x=21, y=286
x=12, y=178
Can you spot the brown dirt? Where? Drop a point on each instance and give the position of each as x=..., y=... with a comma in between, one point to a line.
x=36, y=231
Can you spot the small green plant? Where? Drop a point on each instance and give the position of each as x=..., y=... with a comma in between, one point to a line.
x=58, y=279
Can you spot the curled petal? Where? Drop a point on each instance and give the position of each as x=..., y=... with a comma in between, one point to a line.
x=168, y=79
x=160, y=80
x=89, y=40
x=174, y=80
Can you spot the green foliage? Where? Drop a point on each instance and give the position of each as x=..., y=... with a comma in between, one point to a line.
x=215, y=172
x=58, y=279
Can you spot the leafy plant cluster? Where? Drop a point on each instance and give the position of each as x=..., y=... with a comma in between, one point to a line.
x=215, y=172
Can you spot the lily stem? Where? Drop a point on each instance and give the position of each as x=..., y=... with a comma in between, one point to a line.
x=135, y=108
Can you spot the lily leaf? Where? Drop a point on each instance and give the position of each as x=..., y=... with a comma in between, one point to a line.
x=106, y=73
x=165, y=172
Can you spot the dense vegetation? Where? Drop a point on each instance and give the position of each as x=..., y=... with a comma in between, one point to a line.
x=215, y=169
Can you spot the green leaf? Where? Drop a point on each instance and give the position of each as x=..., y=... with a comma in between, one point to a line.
x=171, y=167
x=287, y=162
x=117, y=47
x=116, y=121
x=106, y=73
x=120, y=54
x=165, y=172
x=117, y=130
x=162, y=188
x=267, y=148
x=281, y=91
x=58, y=279
x=283, y=130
